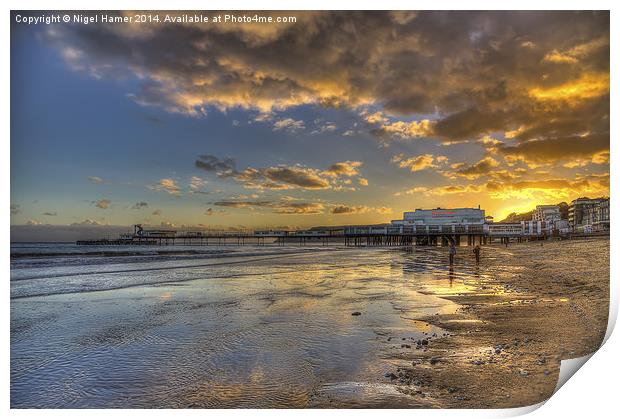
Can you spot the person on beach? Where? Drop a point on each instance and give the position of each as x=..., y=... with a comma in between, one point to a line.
x=477, y=253
x=451, y=253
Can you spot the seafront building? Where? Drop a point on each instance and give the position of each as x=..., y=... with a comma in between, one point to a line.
x=441, y=216
x=551, y=219
x=589, y=215
x=549, y=213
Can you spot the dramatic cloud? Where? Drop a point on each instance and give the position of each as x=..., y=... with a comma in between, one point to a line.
x=102, y=203
x=469, y=73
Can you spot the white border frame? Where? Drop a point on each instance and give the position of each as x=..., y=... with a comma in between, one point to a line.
x=592, y=393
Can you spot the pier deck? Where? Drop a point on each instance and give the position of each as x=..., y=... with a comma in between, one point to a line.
x=356, y=239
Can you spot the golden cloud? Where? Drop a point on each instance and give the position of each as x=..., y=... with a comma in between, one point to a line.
x=587, y=86
x=421, y=162
x=166, y=185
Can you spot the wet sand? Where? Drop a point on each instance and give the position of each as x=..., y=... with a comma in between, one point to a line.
x=505, y=347
x=327, y=328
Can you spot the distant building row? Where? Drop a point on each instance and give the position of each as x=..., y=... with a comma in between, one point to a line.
x=470, y=221
x=584, y=216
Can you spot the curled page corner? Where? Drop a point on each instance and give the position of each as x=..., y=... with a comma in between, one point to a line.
x=568, y=367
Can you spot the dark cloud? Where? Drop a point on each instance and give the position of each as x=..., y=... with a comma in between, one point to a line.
x=50, y=214
x=482, y=167
x=15, y=209
x=471, y=123
x=475, y=68
x=224, y=168
x=295, y=176
x=282, y=176
x=359, y=209
x=140, y=205
x=343, y=209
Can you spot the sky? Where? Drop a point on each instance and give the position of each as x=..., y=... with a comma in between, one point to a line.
x=337, y=118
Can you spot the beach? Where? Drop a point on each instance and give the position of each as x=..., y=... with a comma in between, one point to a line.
x=295, y=326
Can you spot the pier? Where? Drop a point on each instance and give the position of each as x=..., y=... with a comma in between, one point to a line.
x=354, y=236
